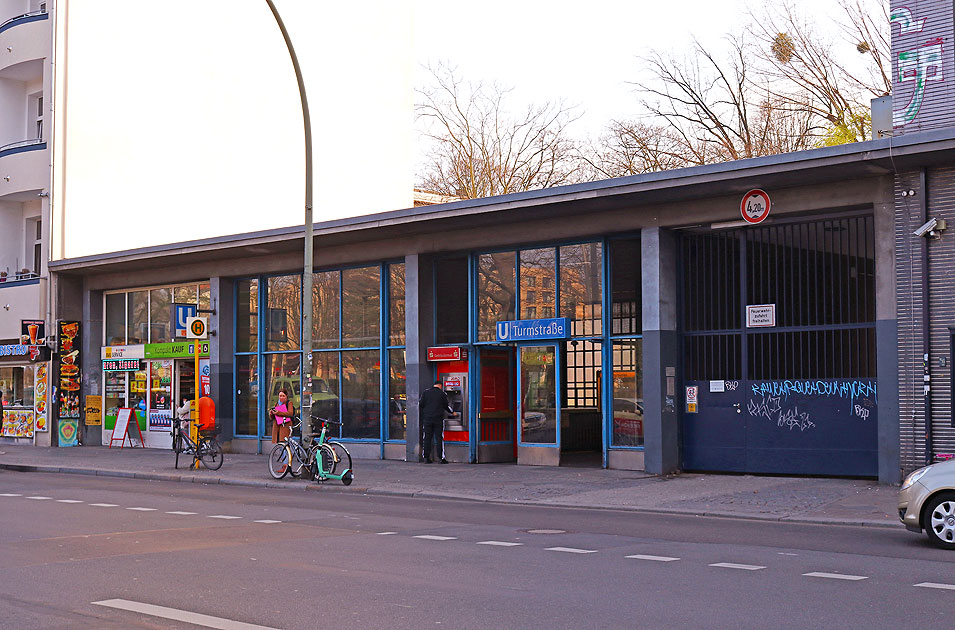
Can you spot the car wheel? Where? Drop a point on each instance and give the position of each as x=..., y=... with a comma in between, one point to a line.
x=939, y=520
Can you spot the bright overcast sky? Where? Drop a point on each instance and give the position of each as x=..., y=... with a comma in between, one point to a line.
x=182, y=117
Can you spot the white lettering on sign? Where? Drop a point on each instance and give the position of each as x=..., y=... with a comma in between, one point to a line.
x=755, y=206
x=760, y=315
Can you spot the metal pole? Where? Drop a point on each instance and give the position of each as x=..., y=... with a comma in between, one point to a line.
x=306, y=381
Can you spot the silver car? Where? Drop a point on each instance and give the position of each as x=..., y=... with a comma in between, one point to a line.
x=927, y=502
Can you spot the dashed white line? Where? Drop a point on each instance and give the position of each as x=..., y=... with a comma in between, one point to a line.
x=104, y=505
x=68, y=501
x=429, y=537
x=783, y=553
x=182, y=513
x=41, y=498
x=944, y=587
x=186, y=616
x=267, y=522
x=10, y=494
x=743, y=567
x=387, y=533
x=570, y=550
x=223, y=516
x=836, y=576
x=653, y=558
x=141, y=509
x=500, y=543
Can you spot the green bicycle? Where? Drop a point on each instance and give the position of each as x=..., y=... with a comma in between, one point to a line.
x=323, y=458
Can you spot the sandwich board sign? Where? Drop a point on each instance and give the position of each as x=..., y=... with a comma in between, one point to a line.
x=125, y=418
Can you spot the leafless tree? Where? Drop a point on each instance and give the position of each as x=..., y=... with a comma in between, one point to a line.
x=478, y=148
x=632, y=147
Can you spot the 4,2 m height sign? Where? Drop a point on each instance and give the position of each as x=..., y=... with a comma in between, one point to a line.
x=755, y=206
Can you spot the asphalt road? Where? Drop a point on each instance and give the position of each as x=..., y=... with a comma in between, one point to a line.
x=87, y=552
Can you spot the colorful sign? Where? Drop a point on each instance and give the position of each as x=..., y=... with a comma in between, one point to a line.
x=123, y=352
x=32, y=332
x=93, y=411
x=205, y=371
x=692, y=398
x=755, y=206
x=160, y=420
x=176, y=350
x=17, y=423
x=182, y=313
x=68, y=370
x=446, y=353
x=40, y=397
x=533, y=329
x=197, y=327
x=922, y=65
x=67, y=432
x=121, y=365
x=21, y=350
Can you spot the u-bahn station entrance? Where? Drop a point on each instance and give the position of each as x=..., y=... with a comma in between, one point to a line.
x=641, y=323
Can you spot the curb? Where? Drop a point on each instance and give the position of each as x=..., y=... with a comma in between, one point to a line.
x=388, y=492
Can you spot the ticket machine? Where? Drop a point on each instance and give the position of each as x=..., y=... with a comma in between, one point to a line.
x=455, y=385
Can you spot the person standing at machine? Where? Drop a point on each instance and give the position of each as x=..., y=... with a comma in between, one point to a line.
x=433, y=406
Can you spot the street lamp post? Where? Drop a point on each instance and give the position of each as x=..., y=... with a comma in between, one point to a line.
x=305, y=384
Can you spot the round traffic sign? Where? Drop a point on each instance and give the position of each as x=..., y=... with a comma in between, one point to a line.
x=755, y=206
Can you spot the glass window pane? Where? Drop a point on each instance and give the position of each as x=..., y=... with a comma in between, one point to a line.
x=136, y=396
x=205, y=296
x=246, y=395
x=626, y=315
x=627, y=427
x=361, y=397
x=247, y=316
x=137, y=312
x=116, y=319
x=581, y=368
x=161, y=325
x=581, y=282
x=398, y=401
x=325, y=401
x=283, y=371
x=325, y=305
x=285, y=313
x=185, y=294
x=115, y=383
x=537, y=270
x=496, y=292
x=451, y=300
x=538, y=395
x=396, y=318
x=360, y=307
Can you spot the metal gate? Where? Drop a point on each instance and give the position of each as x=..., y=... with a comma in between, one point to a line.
x=790, y=389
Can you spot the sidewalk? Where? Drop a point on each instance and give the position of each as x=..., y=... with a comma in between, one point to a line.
x=825, y=501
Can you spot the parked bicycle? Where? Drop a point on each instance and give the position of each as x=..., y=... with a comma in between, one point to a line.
x=206, y=450
x=322, y=458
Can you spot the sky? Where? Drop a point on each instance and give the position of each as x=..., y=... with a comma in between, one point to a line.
x=182, y=118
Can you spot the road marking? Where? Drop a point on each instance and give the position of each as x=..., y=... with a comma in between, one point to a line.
x=499, y=543
x=141, y=509
x=426, y=537
x=180, y=615
x=836, y=576
x=104, y=505
x=744, y=567
x=267, y=522
x=41, y=498
x=654, y=558
x=570, y=550
x=783, y=553
x=387, y=533
x=182, y=513
x=224, y=516
x=10, y=494
x=68, y=501
x=944, y=587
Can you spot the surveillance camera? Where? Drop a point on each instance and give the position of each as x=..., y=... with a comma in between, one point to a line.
x=929, y=227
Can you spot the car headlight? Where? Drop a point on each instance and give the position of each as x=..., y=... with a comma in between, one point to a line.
x=915, y=476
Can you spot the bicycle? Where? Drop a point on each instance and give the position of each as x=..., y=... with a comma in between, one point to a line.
x=322, y=458
x=207, y=450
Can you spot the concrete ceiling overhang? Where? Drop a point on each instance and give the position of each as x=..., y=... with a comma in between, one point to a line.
x=815, y=167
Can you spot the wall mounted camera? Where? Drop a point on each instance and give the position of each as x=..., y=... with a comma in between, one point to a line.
x=931, y=228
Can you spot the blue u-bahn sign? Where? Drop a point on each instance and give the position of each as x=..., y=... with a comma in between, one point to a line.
x=534, y=329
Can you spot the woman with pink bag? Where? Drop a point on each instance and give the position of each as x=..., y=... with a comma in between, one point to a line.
x=281, y=415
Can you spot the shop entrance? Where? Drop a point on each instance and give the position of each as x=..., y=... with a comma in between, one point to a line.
x=497, y=404
x=538, y=408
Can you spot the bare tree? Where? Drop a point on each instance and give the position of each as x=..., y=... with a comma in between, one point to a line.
x=479, y=149
x=631, y=147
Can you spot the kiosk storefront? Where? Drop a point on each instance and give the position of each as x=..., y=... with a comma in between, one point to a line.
x=152, y=379
x=24, y=388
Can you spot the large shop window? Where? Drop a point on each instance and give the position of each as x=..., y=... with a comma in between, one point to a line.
x=285, y=313
x=627, y=407
x=451, y=300
x=538, y=279
x=581, y=283
x=361, y=289
x=16, y=386
x=497, y=292
x=147, y=315
x=626, y=305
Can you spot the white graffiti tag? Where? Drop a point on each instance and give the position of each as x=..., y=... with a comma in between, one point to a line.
x=770, y=407
x=862, y=412
x=793, y=419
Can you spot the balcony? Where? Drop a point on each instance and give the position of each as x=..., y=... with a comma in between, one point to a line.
x=24, y=38
x=24, y=170
x=26, y=299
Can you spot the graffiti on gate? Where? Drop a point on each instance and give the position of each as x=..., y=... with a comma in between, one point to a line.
x=789, y=403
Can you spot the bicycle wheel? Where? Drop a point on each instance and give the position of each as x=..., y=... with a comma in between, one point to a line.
x=342, y=458
x=296, y=466
x=278, y=461
x=177, y=447
x=210, y=453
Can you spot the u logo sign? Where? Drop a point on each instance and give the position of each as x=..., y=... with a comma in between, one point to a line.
x=502, y=330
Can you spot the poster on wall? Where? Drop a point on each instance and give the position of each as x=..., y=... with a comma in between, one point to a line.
x=93, y=415
x=17, y=423
x=204, y=373
x=67, y=432
x=160, y=420
x=40, y=389
x=67, y=376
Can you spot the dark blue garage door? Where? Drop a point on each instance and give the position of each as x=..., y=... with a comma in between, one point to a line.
x=791, y=388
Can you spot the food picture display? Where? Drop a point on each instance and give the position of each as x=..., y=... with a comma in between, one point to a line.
x=68, y=376
x=40, y=398
x=17, y=423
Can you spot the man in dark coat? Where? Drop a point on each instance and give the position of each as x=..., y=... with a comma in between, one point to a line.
x=433, y=406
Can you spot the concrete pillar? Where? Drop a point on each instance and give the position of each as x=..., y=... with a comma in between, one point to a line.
x=887, y=336
x=660, y=352
x=92, y=325
x=221, y=382
x=419, y=333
